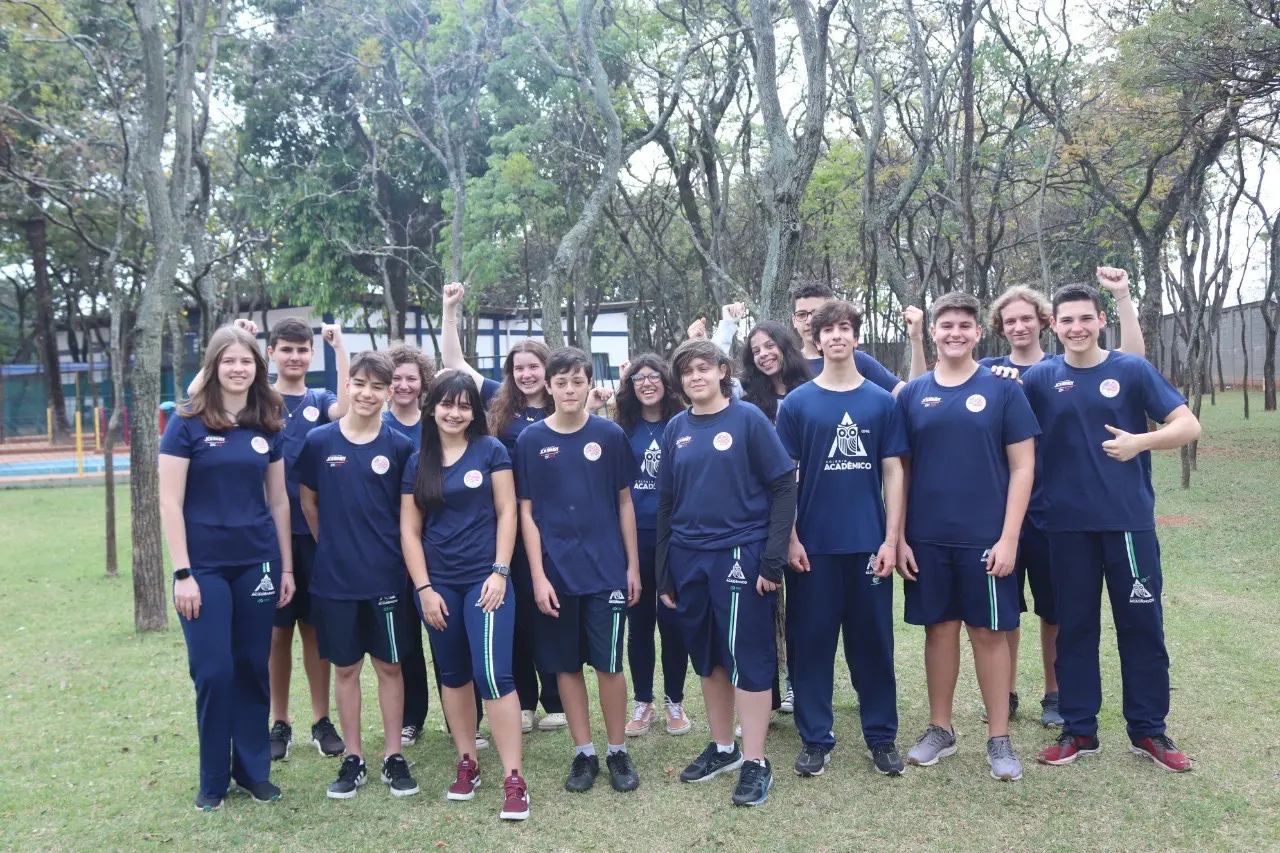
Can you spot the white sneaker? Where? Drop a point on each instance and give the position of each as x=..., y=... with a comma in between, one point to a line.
x=788, y=702
x=678, y=722
x=482, y=742
x=551, y=722
x=526, y=721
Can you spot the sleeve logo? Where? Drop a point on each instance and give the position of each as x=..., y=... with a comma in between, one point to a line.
x=380, y=464
x=591, y=451
x=259, y=444
x=472, y=479
x=311, y=413
x=975, y=403
x=1109, y=388
x=723, y=441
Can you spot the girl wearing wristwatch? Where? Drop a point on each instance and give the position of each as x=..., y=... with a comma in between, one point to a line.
x=224, y=531
x=458, y=519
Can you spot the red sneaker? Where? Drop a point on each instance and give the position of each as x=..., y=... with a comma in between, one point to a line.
x=515, y=806
x=1163, y=751
x=464, y=788
x=1068, y=748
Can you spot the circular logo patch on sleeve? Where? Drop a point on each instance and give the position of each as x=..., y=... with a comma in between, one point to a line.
x=975, y=403
x=1109, y=388
x=472, y=479
x=259, y=444
x=311, y=413
x=380, y=465
x=723, y=441
x=591, y=451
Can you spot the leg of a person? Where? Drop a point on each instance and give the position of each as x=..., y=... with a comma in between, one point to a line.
x=745, y=620
x=675, y=657
x=719, y=696
x=280, y=664
x=933, y=600
x=451, y=656
x=1034, y=554
x=413, y=662
x=523, y=668
x=642, y=619
x=346, y=693
x=340, y=640
x=317, y=667
x=391, y=703
x=989, y=606
x=1077, y=566
x=604, y=619
x=694, y=618
x=868, y=648
x=941, y=669
x=212, y=668
x=558, y=648
x=489, y=641
x=814, y=603
x=1135, y=584
x=991, y=661
x=385, y=622
x=252, y=617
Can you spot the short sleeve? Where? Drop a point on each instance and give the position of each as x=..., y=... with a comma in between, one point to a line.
x=900, y=405
x=1159, y=397
x=306, y=464
x=488, y=390
x=788, y=429
x=410, y=476
x=499, y=459
x=875, y=371
x=328, y=400
x=895, y=431
x=768, y=457
x=404, y=452
x=176, y=440
x=1019, y=421
x=522, y=468
x=276, y=453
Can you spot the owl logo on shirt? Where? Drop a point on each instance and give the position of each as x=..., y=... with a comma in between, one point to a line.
x=259, y=444
x=380, y=464
x=652, y=458
x=847, y=441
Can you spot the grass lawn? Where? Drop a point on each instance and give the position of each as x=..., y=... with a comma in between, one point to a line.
x=99, y=730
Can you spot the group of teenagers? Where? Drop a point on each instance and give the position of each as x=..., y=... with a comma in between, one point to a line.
x=537, y=524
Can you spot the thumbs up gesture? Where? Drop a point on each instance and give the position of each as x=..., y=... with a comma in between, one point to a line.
x=1124, y=446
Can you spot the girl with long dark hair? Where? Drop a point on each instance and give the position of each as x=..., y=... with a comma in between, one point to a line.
x=224, y=510
x=458, y=530
x=772, y=365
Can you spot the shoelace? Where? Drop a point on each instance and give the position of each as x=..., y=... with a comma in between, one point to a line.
x=351, y=768
x=581, y=765
x=1065, y=739
x=675, y=710
x=515, y=788
x=935, y=736
x=1001, y=748
x=751, y=772
x=397, y=768
x=467, y=771
x=1164, y=742
x=641, y=711
x=280, y=730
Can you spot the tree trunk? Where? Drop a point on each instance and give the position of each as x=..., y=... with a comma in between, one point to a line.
x=969, y=247
x=1151, y=306
x=46, y=326
x=118, y=359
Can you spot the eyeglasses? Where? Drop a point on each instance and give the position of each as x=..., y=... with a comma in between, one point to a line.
x=646, y=379
x=801, y=316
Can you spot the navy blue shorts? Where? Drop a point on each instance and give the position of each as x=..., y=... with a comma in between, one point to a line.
x=1033, y=566
x=953, y=584
x=299, y=607
x=474, y=646
x=348, y=630
x=589, y=630
x=724, y=621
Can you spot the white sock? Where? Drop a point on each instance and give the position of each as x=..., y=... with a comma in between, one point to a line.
x=589, y=749
x=622, y=747
x=725, y=747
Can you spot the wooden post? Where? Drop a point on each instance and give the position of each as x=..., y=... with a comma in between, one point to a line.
x=48, y=423
x=79, y=444
x=97, y=429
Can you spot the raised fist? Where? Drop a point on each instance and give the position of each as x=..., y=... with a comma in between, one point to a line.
x=248, y=325
x=915, y=322
x=698, y=329
x=1114, y=280
x=453, y=294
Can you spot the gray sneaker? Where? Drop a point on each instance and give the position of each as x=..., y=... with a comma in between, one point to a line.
x=934, y=744
x=1050, y=718
x=1005, y=766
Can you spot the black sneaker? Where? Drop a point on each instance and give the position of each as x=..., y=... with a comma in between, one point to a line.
x=622, y=772
x=263, y=792
x=812, y=760
x=711, y=763
x=205, y=803
x=886, y=759
x=281, y=737
x=754, y=783
x=409, y=735
x=351, y=776
x=325, y=737
x=1013, y=705
x=583, y=773
x=395, y=775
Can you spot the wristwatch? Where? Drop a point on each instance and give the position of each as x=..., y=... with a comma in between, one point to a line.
x=181, y=574
x=500, y=569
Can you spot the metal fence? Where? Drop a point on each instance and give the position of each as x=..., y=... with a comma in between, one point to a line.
x=1236, y=322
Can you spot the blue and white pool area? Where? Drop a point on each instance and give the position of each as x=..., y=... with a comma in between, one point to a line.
x=61, y=466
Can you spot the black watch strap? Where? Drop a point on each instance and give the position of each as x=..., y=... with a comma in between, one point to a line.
x=181, y=574
x=501, y=569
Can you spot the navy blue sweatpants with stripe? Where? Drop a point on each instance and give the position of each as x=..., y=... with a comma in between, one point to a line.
x=228, y=645
x=1130, y=564
x=475, y=646
x=840, y=594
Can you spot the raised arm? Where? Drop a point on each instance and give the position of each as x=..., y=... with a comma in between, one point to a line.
x=332, y=335
x=451, y=344
x=1116, y=282
x=915, y=332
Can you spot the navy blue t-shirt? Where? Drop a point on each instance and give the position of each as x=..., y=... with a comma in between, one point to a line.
x=716, y=469
x=573, y=481
x=959, y=466
x=303, y=413
x=413, y=433
x=358, y=553
x=1085, y=489
x=646, y=447
x=460, y=539
x=1036, y=508
x=528, y=415
x=1007, y=361
x=840, y=439
x=225, y=511
x=867, y=366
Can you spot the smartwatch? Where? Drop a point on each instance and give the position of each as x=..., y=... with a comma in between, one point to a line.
x=500, y=569
x=181, y=574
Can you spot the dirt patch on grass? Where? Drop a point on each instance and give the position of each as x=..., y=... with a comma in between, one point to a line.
x=1173, y=520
